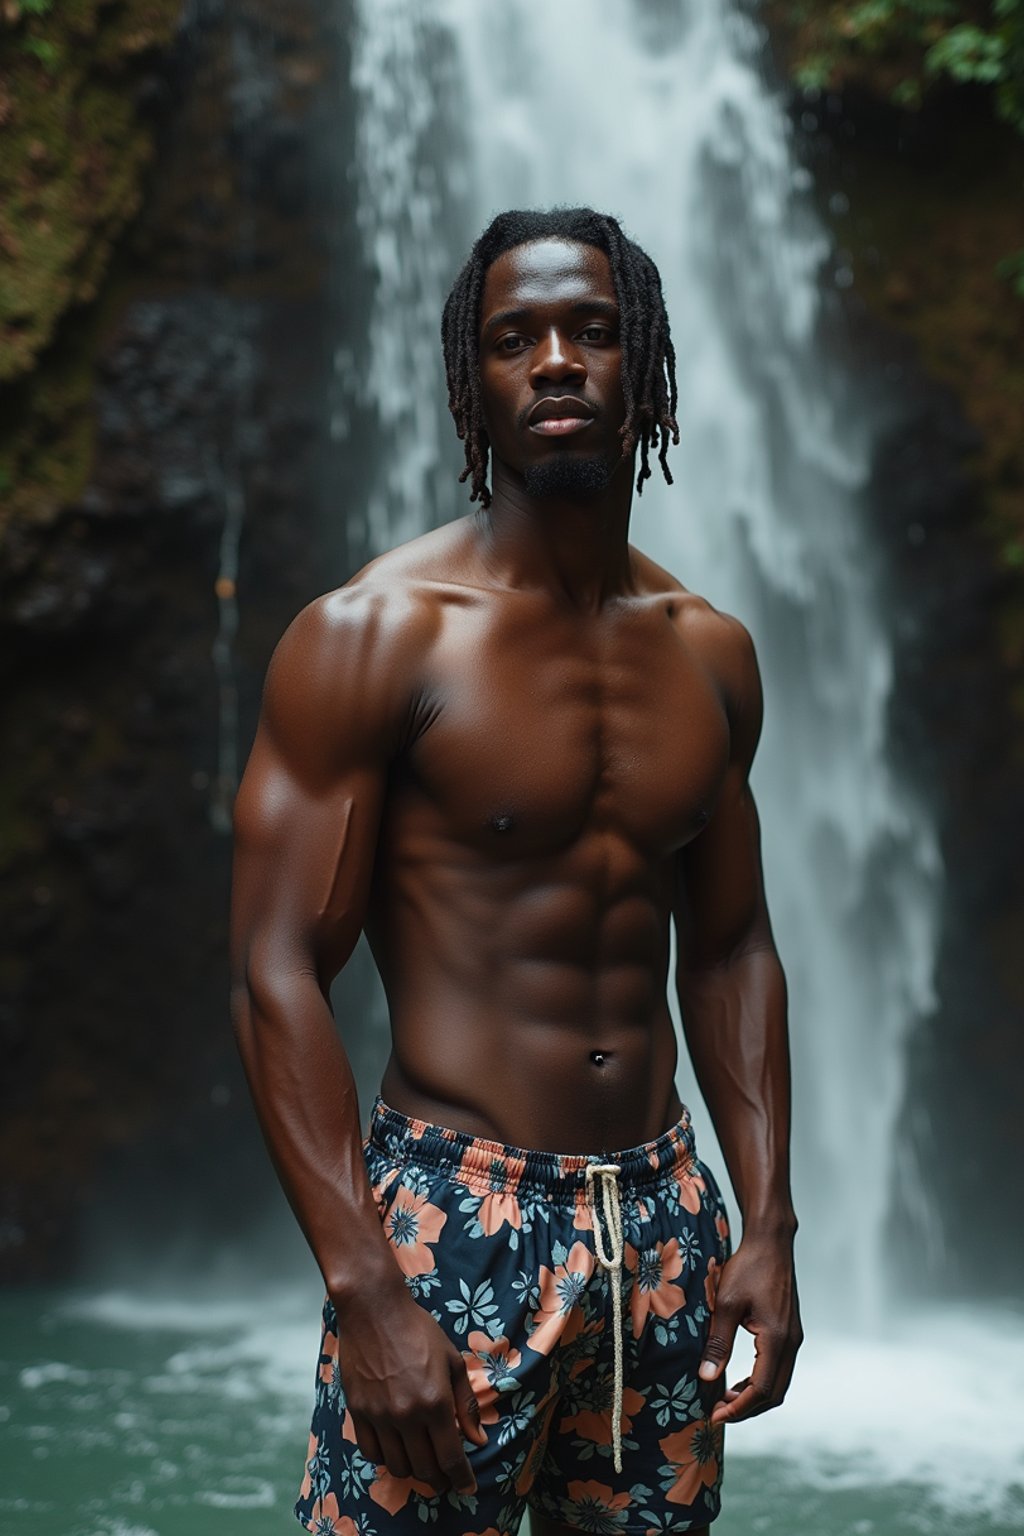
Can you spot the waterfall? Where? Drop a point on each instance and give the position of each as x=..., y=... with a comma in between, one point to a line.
x=659, y=112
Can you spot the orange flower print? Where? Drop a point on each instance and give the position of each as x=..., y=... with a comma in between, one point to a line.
x=410, y=1226
x=595, y=1423
x=329, y=1347
x=500, y=1174
x=490, y=1364
x=330, y=1370
x=711, y=1281
x=692, y=1456
x=722, y=1228
x=393, y=1493
x=593, y=1507
x=327, y=1520
x=379, y=1189
x=654, y=1270
x=583, y=1217
x=560, y=1316
x=495, y=1210
x=691, y=1187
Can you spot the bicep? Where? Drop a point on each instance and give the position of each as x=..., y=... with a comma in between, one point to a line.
x=308, y=809
x=303, y=865
x=719, y=885
x=720, y=905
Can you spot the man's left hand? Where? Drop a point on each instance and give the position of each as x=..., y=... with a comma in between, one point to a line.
x=757, y=1290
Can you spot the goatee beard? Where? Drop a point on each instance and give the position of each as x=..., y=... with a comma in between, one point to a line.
x=567, y=475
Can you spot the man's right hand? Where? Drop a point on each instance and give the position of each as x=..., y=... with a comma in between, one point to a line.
x=408, y=1391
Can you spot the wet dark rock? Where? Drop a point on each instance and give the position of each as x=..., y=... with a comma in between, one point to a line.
x=114, y=877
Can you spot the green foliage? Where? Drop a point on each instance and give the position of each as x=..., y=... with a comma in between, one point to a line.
x=42, y=49
x=905, y=46
x=1011, y=269
x=968, y=55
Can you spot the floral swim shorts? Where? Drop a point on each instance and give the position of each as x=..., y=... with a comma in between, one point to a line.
x=570, y=1284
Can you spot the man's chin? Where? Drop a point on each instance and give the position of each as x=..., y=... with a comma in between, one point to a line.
x=568, y=476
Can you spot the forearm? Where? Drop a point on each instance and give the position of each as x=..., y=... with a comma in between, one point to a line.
x=734, y=1019
x=305, y=1097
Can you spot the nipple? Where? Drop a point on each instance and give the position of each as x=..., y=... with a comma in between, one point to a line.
x=501, y=821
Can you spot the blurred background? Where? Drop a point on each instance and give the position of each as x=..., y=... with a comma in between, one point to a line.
x=226, y=233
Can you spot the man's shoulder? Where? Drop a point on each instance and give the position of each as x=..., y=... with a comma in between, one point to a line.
x=722, y=646
x=721, y=639
x=389, y=608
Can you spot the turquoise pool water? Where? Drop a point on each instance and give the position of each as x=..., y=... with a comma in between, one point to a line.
x=127, y=1415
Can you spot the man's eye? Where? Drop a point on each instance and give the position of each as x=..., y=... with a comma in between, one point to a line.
x=595, y=333
x=511, y=343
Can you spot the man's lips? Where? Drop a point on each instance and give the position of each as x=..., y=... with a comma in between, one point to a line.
x=558, y=416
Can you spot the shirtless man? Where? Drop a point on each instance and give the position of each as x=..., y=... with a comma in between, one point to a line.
x=514, y=750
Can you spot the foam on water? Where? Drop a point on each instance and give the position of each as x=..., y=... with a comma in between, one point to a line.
x=932, y=1400
x=264, y=1349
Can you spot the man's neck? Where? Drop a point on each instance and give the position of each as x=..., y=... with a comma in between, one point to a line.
x=576, y=549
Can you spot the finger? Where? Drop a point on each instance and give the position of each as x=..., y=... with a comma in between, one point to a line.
x=451, y=1458
x=368, y=1443
x=720, y=1343
x=395, y=1459
x=756, y=1394
x=467, y=1409
x=784, y=1374
x=420, y=1450
x=747, y=1404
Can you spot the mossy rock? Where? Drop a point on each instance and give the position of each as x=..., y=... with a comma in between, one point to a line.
x=73, y=159
x=75, y=148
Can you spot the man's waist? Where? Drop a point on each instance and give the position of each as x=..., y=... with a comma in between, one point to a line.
x=489, y=1166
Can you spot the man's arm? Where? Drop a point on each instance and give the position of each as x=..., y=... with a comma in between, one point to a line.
x=335, y=709
x=732, y=995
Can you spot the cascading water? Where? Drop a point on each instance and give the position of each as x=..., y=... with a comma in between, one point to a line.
x=661, y=116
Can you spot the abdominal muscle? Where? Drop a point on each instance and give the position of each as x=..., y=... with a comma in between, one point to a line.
x=525, y=1009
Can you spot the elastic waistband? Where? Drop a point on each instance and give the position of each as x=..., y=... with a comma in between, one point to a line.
x=495, y=1167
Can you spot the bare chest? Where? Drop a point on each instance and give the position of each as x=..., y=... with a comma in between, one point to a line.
x=534, y=736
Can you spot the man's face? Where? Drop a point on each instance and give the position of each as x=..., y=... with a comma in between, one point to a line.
x=551, y=366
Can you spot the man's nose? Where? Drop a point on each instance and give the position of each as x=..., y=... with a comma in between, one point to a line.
x=557, y=359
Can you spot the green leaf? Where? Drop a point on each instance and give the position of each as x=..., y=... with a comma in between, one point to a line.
x=968, y=55
x=42, y=50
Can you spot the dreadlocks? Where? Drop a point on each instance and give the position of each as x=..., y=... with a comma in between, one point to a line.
x=648, y=357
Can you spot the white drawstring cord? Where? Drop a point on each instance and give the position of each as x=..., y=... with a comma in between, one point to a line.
x=609, y=1176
